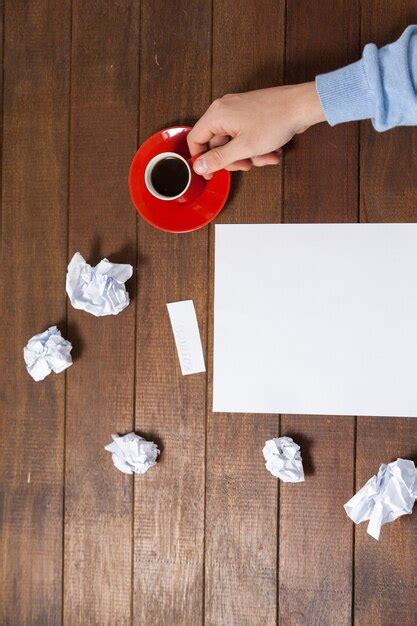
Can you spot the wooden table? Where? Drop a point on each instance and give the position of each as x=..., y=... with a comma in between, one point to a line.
x=208, y=535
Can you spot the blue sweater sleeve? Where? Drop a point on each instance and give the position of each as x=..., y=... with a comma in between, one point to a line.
x=381, y=86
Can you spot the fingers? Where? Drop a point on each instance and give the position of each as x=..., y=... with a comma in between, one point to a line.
x=218, y=140
x=199, y=136
x=272, y=158
x=220, y=157
x=244, y=165
x=220, y=151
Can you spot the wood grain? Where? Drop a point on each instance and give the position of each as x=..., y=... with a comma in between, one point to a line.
x=102, y=223
x=198, y=538
x=170, y=408
x=241, y=516
x=385, y=571
x=33, y=247
x=320, y=186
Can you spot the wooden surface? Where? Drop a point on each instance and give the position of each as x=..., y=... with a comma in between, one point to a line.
x=208, y=536
x=388, y=193
x=316, y=589
x=103, y=125
x=241, y=501
x=36, y=61
x=168, y=576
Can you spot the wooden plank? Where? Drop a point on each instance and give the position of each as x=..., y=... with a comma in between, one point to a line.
x=98, y=498
x=385, y=571
x=2, y=15
x=241, y=517
x=33, y=244
x=169, y=500
x=320, y=186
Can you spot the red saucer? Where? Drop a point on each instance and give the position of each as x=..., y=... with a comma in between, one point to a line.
x=171, y=216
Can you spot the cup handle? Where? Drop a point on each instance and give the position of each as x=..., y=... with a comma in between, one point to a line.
x=197, y=184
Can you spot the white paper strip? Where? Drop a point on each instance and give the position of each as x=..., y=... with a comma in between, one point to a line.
x=316, y=319
x=187, y=336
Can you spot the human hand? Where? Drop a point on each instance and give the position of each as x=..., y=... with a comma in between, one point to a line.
x=239, y=131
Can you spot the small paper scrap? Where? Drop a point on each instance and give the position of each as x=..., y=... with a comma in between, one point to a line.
x=386, y=496
x=132, y=454
x=47, y=352
x=99, y=290
x=187, y=336
x=283, y=459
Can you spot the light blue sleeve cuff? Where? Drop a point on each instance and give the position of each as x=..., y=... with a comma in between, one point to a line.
x=345, y=94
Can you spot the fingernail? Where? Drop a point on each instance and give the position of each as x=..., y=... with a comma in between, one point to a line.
x=200, y=166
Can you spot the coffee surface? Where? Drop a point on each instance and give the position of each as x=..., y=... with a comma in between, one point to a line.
x=170, y=177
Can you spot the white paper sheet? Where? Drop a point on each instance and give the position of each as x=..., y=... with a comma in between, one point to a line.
x=187, y=336
x=316, y=319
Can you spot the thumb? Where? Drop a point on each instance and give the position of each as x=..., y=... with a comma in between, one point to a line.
x=220, y=157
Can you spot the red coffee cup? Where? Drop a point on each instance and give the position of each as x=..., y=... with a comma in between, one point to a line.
x=193, y=184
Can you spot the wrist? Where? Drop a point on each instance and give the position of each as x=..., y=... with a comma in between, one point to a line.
x=308, y=109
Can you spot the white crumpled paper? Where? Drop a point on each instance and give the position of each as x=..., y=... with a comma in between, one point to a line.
x=47, y=352
x=132, y=454
x=99, y=290
x=283, y=459
x=386, y=496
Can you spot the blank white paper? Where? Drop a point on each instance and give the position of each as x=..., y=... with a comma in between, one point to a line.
x=316, y=319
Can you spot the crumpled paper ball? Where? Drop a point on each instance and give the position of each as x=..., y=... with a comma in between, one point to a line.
x=99, y=290
x=385, y=497
x=132, y=454
x=47, y=352
x=283, y=459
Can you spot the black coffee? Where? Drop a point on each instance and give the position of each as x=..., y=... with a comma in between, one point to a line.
x=170, y=177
